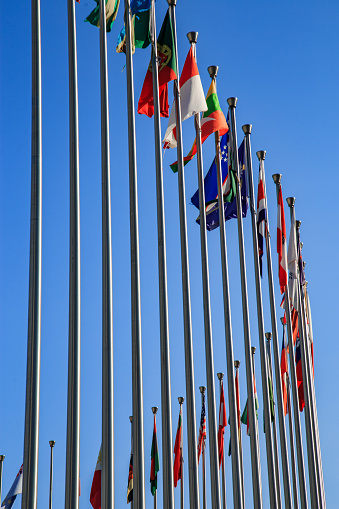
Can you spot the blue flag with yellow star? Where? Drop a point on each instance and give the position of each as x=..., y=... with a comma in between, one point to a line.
x=15, y=490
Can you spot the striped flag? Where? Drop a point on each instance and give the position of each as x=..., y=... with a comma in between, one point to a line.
x=130, y=481
x=154, y=460
x=261, y=216
x=299, y=376
x=284, y=372
x=95, y=496
x=281, y=243
x=177, y=465
x=15, y=490
x=202, y=429
x=222, y=424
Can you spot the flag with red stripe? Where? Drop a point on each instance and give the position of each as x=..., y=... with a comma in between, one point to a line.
x=202, y=429
x=281, y=243
x=284, y=372
x=177, y=465
x=222, y=424
x=95, y=496
x=261, y=215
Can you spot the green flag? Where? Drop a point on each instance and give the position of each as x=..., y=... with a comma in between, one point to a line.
x=112, y=7
x=154, y=461
x=140, y=28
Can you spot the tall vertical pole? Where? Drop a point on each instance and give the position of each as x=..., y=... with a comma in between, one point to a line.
x=237, y=366
x=255, y=455
x=181, y=399
x=154, y=410
x=137, y=382
x=271, y=467
x=74, y=338
x=204, y=494
x=261, y=154
x=297, y=426
x=131, y=421
x=2, y=457
x=31, y=441
x=223, y=474
x=166, y=405
x=51, y=444
x=236, y=466
x=189, y=365
x=107, y=474
x=211, y=400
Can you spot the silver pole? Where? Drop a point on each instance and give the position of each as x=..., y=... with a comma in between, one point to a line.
x=255, y=454
x=237, y=366
x=52, y=444
x=223, y=474
x=166, y=405
x=189, y=364
x=137, y=382
x=2, y=457
x=268, y=336
x=204, y=494
x=31, y=442
x=181, y=399
x=271, y=467
x=154, y=410
x=282, y=429
x=131, y=421
x=236, y=466
x=211, y=400
x=107, y=474
x=74, y=332
x=297, y=426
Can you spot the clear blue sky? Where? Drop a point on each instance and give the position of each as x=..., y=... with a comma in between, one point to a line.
x=281, y=61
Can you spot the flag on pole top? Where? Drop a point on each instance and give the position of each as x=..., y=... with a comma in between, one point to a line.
x=130, y=480
x=95, y=496
x=284, y=372
x=222, y=424
x=15, y=490
x=140, y=27
x=237, y=396
x=202, y=429
x=154, y=460
x=300, y=262
x=177, y=465
x=192, y=98
x=281, y=243
x=167, y=71
x=112, y=7
x=261, y=216
x=299, y=375
x=245, y=416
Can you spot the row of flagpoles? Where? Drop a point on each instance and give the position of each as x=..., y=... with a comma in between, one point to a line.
x=229, y=190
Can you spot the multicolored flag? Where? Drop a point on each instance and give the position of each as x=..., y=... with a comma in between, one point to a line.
x=281, y=243
x=112, y=7
x=299, y=375
x=130, y=481
x=95, y=496
x=284, y=372
x=140, y=27
x=15, y=490
x=222, y=424
x=245, y=416
x=202, y=429
x=192, y=98
x=154, y=460
x=177, y=465
x=167, y=71
x=261, y=215
x=212, y=120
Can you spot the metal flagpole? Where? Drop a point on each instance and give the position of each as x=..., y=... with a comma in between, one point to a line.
x=137, y=383
x=181, y=399
x=131, y=421
x=236, y=466
x=52, y=444
x=154, y=410
x=310, y=436
x=204, y=494
x=297, y=426
x=261, y=154
x=74, y=337
x=107, y=474
x=2, y=457
x=271, y=467
x=189, y=365
x=237, y=366
x=268, y=336
x=223, y=489
x=255, y=453
x=166, y=405
x=211, y=400
x=31, y=442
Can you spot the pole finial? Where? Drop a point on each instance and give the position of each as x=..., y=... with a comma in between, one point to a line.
x=232, y=102
x=253, y=349
x=202, y=389
x=52, y=443
x=220, y=376
x=192, y=37
x=213, y=71
x=131, y=418
x=2, y=457
x=261, y=154
x=236, y=364
x=181, y=399
x=172, y=2
x=277, y=178
x=297, y=224
x=290, y=201
x=247, y=128
x=268, y=336
x=154, y=409
x=282, y=320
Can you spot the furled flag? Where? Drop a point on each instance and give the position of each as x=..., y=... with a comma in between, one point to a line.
x=309, y=325
x=212, y=120
x=281, y=243
x=261, y=215
x=300, y=261
x=299, y=376
x=237, y=395
x=177, y=465
x=292, y=267
x=167, y=71
x=222, y=424
x=140, y=27
x=294, y=319
x=130, y=481
x=271, y=399
x=192, y=98
x=202, y=429
x=245, y=416
x=154, y=460
x=95, y=496
x=112, y=7
x=284, y=372
x=15, y=490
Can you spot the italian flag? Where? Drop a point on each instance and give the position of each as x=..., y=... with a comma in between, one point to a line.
x=95, y=496
x=154, y=460
x=112, y=7
x=178, y=452
x=192, y=98
x=212, y=120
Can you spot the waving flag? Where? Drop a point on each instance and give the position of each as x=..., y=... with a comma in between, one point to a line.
x=261, y=215
x=154, y=460
x=281, y=243
x=284, y=372
x=15, y=490
x=112, y=7
x=222, y=424
x=140, y=28
x=177, y=465
x=95, y=496
x=202, y=429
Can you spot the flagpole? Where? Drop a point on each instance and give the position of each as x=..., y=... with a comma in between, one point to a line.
x=181, y=399
x=74, y=332
x=32, y=410
x=237, y=366
x=261, y=154
x=189, y=365
x=131, y=421
x=204, y=495
x=211, y=399
x=271, y=467
x=154, y=410
x=2, y=457
x=223, y=474
x=166, y=405
x=316, y=500
x=51, y=444
x=107, y=485
x=255, y=454
x=297, y=426
x=268, y=336
x=137, y=381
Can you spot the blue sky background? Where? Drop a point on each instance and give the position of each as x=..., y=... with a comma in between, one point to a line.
x=280, y=60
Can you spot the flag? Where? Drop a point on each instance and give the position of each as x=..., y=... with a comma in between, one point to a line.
x=15, y=490
x=212, y=120
x=237, y=395
x=222, y=424
x=300, y=262
x=261, y=215
x=154, y=460
x=271, y=399
x=299, y=376
x=284, y=372
x=202, y=429
x=167, y=71
x=112, y=7
x=281, y=243
x=309, y=325
x=130, y=481
x=245, y=416
x=192, y=98
x=178, y=452
x=95, y=496
x=294, y=319
x=140, y=27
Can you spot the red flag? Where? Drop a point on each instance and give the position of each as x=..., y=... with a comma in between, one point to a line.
x=284, y=373
x=281, y=243
x=299, y=376
x=202, y=429
x=237, y=394
x=178, y=452
x=95, y=496
x=222, y=424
